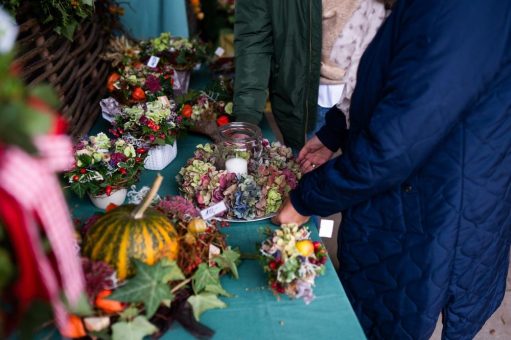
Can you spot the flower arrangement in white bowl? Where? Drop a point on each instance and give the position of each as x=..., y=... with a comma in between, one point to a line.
x=156, y=126
x=104, y=168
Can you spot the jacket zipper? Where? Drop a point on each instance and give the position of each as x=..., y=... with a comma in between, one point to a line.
x=309, y=74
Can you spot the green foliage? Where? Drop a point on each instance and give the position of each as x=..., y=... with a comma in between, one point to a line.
x=203, y=302
x=180, y=52
x=148, y=286
x=38, y=313
x=134, y=330
x=207, y=279
x=229, y=260
x=18, y=120
x=65, y=15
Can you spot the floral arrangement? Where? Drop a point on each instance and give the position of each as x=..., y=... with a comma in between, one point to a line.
x=152, y=123
x=258, y=194
x=138, y=83
x=201, y=107
x=103, y=165
x=183, y=289
x=292, y=261
x=121, y=51
x=180, y=53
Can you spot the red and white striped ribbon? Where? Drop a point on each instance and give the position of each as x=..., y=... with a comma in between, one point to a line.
x=32, y=181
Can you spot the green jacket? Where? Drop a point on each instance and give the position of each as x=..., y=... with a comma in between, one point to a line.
x=278, y=48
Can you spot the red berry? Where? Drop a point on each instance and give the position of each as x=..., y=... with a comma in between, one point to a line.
x=138, y=159
x=76, y=178
x=273, y=265
x=108, y=190
x=83, y=171
x=123, y=171
x=140, y=150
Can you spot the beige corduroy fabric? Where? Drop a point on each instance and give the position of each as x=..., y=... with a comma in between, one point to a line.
x=336, y=13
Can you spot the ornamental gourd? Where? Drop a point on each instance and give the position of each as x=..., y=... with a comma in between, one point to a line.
x=132, y=232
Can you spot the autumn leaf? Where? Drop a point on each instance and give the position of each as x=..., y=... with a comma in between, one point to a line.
x=203, y=302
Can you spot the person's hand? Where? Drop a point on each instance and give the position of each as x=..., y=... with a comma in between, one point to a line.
x=313, y=154
x=288, y=214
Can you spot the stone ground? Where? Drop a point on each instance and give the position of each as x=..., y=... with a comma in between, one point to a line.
x=498, y=327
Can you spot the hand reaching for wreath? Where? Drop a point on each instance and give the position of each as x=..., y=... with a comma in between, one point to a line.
x=313, y=154
x=288, y=214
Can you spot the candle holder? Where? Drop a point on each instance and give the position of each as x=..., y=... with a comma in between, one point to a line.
x=239, y=145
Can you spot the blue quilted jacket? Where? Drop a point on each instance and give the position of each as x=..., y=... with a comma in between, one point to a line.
x=424, y=179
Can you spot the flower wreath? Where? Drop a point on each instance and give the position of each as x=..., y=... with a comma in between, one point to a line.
x=258, y=194
x=292, y=261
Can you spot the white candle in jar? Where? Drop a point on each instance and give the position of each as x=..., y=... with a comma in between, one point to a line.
x=237, y=165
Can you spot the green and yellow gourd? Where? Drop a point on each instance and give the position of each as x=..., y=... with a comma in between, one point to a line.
x=132, y=232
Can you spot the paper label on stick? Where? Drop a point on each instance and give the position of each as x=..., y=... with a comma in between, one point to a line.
x=213, y=251
x=326, y=228
x=216, y=209
x=219, y=51
x=153, y=61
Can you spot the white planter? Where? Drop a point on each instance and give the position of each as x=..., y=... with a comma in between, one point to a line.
x=160, y=156
x=116, y=197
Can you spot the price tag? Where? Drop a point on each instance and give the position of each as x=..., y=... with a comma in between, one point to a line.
x=164, y=100
x=326, y=228
x=219, y=51
x=213, y=251
x=213, y=210
x=153, y=61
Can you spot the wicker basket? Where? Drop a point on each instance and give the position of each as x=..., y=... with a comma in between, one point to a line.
x=73, y=68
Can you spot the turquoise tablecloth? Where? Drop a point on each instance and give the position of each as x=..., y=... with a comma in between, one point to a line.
x=254, y=312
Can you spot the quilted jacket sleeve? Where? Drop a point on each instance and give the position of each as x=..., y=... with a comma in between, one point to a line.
x=446, y=55
x=254, y=48
x=334, y=132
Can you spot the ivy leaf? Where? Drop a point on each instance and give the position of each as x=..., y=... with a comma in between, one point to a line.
x=229, y=260
x=146, y=286
x=129, y=313
x=216, y=289
x=203, y=302
x=207, y=279
x=82, y=306
x=205, y=276
x=174, y=272
x=135, y=330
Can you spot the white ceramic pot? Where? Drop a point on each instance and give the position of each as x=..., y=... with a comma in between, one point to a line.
x=160, y=156
x=116, y=197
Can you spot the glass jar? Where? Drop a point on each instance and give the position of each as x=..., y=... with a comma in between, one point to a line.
x=239, y=144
